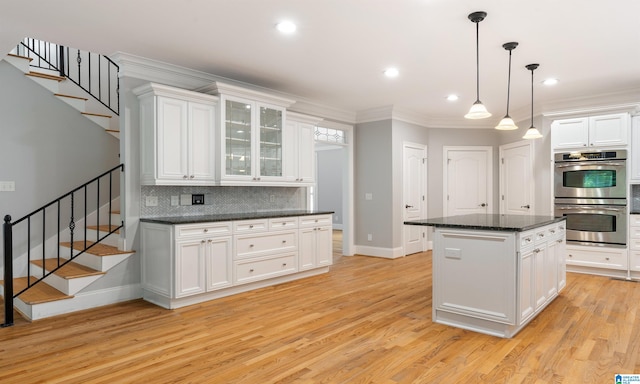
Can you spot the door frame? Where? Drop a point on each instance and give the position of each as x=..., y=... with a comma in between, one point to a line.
x=445, y=171
x=532, y=186
x=423, y=207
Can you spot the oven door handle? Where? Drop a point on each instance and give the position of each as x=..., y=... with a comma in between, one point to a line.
x=583, y=208
x=590, y=163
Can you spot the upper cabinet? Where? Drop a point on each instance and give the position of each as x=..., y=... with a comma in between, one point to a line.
x=253, y=137
x=299, y=158
x=635, y=148
x=594, y=131
x=177, y=136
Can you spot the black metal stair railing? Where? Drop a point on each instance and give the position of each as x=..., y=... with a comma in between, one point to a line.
x=94, y=73
x=89, y=197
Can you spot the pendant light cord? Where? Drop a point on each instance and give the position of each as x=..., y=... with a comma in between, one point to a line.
x=509, y=84
x=477, y=61
x=532, y=98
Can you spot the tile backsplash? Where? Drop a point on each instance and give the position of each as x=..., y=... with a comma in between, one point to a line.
x=223, y=200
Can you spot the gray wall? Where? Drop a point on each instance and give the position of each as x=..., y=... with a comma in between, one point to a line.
x=330, y=167
x=48, y=148
x=373, y=167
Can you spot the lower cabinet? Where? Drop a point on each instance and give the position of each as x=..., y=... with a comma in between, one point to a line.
x=189, y=263
x=542, y=268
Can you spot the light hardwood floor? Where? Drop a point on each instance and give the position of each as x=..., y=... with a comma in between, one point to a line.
x=367, y=321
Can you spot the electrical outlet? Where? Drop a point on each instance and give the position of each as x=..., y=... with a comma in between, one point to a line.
x=369, y=237
x=151, y=201
x=197, y=199
x=185, y=199
x=175, y=201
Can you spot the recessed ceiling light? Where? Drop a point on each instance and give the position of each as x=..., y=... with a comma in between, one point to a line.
x=550, y=82
x=287, y=27
x=391, y=72
x=452, y=97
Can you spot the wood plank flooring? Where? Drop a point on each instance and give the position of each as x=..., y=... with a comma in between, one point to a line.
x=367, y=321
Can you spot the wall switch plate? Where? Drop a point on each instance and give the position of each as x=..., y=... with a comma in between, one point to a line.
x=185, y=199
x=175, y=200
x=151, y=201
x=368, y=196
x=7, y=186
x=197, y=199
x=369, y=237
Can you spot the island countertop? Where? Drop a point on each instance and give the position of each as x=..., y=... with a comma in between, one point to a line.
x=176, y=220
x=492, y=222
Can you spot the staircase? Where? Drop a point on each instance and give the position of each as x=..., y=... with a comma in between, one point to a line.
x=52, y=267
x=61, y=290
x=66, y=90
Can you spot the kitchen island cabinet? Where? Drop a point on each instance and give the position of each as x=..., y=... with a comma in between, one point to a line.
x=191, y=259
x=494, y=273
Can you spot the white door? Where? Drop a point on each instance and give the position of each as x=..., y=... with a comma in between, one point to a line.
x=467, y=180
x=414, y=176
x=516, y=179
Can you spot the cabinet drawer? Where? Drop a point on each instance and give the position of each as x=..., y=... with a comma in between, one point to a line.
x=252, y=270
x=192, y=230
x=315, y=221
x=634, y=232
x=634, y=244
x=598, y=258
x=526, y=239
x=541, y=236
x=634, y=220
x=247, y=226
x=266, y=243
x=283, y=223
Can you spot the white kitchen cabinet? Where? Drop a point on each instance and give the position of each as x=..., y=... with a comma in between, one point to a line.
x=593, y=131
x=177, y=136
x=541, y=268
x=316, y=239
x=634, y=244
x=250, y=135
x=184, y=264
x=635, y=148
x=299, y=156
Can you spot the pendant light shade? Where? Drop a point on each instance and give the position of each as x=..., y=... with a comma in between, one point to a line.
x=507, y=124
x=478, y=110
x=532, y=132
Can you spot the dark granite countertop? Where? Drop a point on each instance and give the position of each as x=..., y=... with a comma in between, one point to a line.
x=507, y=223
x=174, y=220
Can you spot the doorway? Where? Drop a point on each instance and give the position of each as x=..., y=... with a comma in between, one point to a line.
x=414, y=177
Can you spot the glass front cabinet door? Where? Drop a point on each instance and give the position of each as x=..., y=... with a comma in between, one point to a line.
x=252, y=136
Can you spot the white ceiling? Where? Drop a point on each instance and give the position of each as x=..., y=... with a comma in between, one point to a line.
x=341, y=47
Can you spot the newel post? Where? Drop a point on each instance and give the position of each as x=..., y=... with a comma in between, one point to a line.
x=8, y=271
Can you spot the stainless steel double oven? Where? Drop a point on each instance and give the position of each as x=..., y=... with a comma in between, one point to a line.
x=591, y=192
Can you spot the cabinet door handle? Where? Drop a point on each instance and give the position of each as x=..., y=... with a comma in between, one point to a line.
x=525, y=206
x=284, y=264
x=559, y=240
x=606, y=258
x=408, y=206
x=203, y=241
x=209, y=241
x=483, y=205
x=284, y=241
x=185, y=177
x=251, y=270
x=251, y=227
x=206, y=230
x=191, y=177
x=284, y=223
x=537, y=250
x=301, y=179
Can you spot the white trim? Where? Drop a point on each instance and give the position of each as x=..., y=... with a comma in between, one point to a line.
x=387, y=253
x=598, y=110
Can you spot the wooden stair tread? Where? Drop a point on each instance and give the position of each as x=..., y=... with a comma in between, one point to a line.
x=45, y=76
x=95, y=114
x=96, y=250
x=116, y=212
x=112, y=130
x=20, y=57
x=69, y=271
x=103, y=228
x=39, y=293
x=70, y=96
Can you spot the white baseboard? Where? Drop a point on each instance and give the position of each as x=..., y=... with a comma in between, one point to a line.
x=387, y=253
x=337, y=226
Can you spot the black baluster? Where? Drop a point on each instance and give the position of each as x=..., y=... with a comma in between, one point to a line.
x=8, y=272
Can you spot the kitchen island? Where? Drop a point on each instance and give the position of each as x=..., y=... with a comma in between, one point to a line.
x=494, y=273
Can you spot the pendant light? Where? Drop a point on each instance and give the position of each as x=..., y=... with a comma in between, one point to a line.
x=507, y=124
x=532, y=132
x=478, y=110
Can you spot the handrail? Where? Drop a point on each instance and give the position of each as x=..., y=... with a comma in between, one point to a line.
x=56, y=57
x=9, y=294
